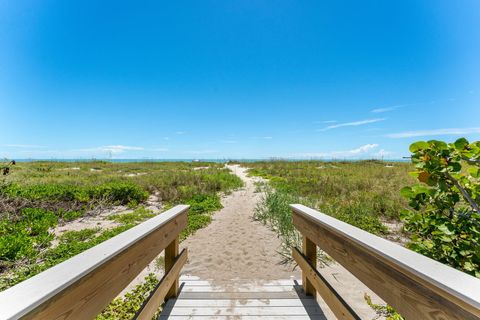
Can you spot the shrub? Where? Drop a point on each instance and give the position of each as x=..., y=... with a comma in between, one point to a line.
x=126, y=307
x=138, y=215
x=204, y=203
x=445, y=216
x=22, y=239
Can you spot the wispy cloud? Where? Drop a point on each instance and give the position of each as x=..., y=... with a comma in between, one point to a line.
x=388, y=109
x=181, y=133
x=158, y=149
x=325, y=121
x=24, y=146
x=435, y=132
x=228, y=141
x=362, y=150
x=114, y=149
x=352, y=124
x=199, y=152
x=382, y=153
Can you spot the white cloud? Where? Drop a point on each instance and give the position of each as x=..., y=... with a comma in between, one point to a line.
x=114, y=149
x=362, y=150
x=435, y=132
x=267, y=138
x=228, y=141
x=352, y=124
x=387, y=109
x=180, y=133
x=382, y=153
x=198, y=152
x=24, y=146
x=326, y=121
x=119, y=148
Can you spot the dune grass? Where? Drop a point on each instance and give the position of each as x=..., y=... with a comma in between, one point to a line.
x=38, y=196
x=362, y=193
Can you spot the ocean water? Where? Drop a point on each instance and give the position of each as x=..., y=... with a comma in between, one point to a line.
x=205, y=160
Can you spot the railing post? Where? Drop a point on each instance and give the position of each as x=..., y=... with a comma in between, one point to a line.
x=171, y=253
x=310, y=252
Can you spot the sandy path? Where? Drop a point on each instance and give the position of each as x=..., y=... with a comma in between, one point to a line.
x=234, y=246
x=235, y=250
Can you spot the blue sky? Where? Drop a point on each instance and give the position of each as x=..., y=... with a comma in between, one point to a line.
x=236, y=79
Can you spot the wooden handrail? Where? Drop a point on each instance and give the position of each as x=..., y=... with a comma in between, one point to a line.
x=81, y=287
x=166, y=285
x=337, y=304
x=416, y=286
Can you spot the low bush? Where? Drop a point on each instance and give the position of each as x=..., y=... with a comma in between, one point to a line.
x=114, y=192
x=138, y=215
x=23, y=239
x=124, y=308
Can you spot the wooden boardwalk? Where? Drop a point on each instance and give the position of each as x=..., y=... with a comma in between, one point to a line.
x=281, y=299
x=81, y=287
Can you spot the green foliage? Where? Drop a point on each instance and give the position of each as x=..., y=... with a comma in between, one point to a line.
x=21, y=240
x=199, y=215
x=386, y=312
x=341, y=186
x=63, y=188
x=124, y=308
x=359, y=193
x=114, y=192
x=70, y=244
x=274, y=211
x=445, y=220
x=138, y=215
x=204, y=203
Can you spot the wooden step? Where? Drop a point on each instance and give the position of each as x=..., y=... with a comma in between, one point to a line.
x=280, y=299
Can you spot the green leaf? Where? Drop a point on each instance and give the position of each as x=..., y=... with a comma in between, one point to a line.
x=474, y=172
x=445, y=229
x=461, y=143
x=438, y=144
x=407, y=192
x=419, y=145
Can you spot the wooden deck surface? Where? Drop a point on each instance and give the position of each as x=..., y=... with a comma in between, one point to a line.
x=281, y=299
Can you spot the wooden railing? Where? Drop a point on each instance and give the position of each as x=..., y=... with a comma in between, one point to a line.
x=81, y=287
x=416, y=286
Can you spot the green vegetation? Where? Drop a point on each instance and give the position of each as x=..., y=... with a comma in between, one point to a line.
x=386, y=312
x=445, y=220
x=360, y=193
x=139, y=215
x=38, y=196
x=126, y=307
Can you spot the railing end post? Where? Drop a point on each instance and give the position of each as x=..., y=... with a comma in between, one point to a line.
x=171, y=253
x=310, y=252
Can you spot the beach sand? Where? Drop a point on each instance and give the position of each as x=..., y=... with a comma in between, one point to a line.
x=234, y=247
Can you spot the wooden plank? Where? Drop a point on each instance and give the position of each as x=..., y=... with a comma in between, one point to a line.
x=240, y=295
x=250, y=288
x=83, y=285
x=317, y=317
x=418, y=287
x=244, y=311
x=310, y=253
x=171, y=253
x=240, y=283
x=157, y=297
x=179, y=303
x=338, y=306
